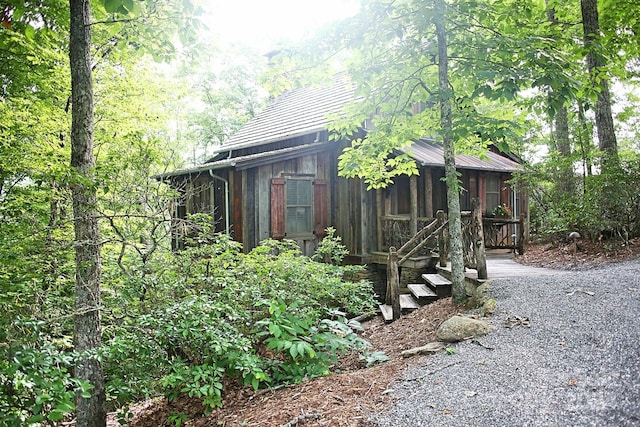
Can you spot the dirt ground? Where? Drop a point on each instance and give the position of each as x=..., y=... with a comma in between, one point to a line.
x=584, y=254
x=352, y=392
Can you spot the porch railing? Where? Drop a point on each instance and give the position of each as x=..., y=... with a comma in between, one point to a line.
x=435, y=231
x=478, y=233
x=396, y=231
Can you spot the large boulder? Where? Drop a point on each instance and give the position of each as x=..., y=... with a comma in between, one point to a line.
x=459, y=328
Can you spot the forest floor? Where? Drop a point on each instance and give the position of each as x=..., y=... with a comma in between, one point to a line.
x=352, y=392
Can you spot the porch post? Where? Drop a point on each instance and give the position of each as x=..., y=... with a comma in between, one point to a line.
x=428, y=193
x=393, y=283
x=413, y=209
x=379, y=213
x=442, y=238
x=521, y=235
x=477, y=238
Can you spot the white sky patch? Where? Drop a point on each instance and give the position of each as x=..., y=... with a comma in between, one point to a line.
x=263, y=23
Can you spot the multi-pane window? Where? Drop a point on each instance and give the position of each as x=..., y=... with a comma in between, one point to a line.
x=492, y=191
x=299, y=207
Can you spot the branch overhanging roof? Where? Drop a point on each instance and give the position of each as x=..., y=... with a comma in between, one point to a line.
x=305, y=111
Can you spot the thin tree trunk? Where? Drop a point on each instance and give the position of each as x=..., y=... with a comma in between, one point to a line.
x=595, y=61
x=562, y=145
x=586, y=143
x=90, y=411
x=453, y=188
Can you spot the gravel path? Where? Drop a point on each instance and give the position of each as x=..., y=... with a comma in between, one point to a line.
x=578, y=364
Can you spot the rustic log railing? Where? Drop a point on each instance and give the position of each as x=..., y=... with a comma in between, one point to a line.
x=396, y=231
x=478, y=233
x=504, y=233
x=434, y=229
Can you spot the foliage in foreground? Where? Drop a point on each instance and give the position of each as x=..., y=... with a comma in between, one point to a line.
x=188, y=324
x=268, y=317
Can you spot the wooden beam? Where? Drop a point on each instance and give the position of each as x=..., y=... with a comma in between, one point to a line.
x=478, y=238
x=413, y=204
x=379, y=215
x=393, y=283
x=428, y=193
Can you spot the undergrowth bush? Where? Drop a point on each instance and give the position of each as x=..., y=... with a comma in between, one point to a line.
x=604, y=205
x=262, y=319
x=36, y=385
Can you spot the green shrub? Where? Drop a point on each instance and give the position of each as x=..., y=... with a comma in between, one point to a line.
x=303, y=348
x=604, y=205
x=220, y=314
x=36, y=385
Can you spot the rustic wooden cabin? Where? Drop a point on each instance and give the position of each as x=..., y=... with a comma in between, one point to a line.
x=277, y=177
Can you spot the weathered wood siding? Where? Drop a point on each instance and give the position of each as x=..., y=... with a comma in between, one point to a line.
x=257, y=190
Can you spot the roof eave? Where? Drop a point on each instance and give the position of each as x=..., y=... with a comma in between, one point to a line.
x=232, y=147
x=194, y=170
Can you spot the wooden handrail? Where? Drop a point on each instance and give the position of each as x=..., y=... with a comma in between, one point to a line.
x=418, y=235
x=424, y=242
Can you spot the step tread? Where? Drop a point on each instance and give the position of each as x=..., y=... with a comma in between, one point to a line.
x=420, y=290
x=387, y=312
x=407, y=302
x=436, y=279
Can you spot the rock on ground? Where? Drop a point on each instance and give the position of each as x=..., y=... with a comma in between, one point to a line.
x=459, y=328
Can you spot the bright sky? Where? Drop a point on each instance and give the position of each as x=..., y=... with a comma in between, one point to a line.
x=262, y=23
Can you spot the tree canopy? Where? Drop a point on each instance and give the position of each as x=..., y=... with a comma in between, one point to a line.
x=526, y=77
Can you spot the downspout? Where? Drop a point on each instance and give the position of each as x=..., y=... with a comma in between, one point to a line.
x=226, y=199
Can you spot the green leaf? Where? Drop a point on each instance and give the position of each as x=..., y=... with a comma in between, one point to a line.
x=112, y=6
x=275, y=330
x=56, y=415
x=29, y=32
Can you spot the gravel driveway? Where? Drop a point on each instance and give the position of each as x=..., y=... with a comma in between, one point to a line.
x=576, y=364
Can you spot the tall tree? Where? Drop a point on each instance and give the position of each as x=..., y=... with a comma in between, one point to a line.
x=453, y=186
x=561, y=142
x=596, y=63
x=87, y=332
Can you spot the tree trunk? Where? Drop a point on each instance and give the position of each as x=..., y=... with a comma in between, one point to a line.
x=563, y=148
x=595, y=61
x=90, y=411
x=562, y=144
x=453, y=187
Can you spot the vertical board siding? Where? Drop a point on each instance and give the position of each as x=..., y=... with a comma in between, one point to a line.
x=237, y=206
x=249, y=199
x=263, y=210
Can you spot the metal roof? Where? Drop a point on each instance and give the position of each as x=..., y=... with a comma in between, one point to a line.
x=430, y=153
x=296, y=112
x=305, y=111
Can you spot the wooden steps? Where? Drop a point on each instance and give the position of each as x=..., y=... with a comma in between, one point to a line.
x=439, y=284
x=433, y=288
x=422, y=293
x=407, y=304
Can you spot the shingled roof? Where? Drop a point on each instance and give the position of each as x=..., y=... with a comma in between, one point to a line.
x=296, y=112
x=305, y=111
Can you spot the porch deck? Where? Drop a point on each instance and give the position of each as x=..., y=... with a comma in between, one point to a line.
x=501, y=264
